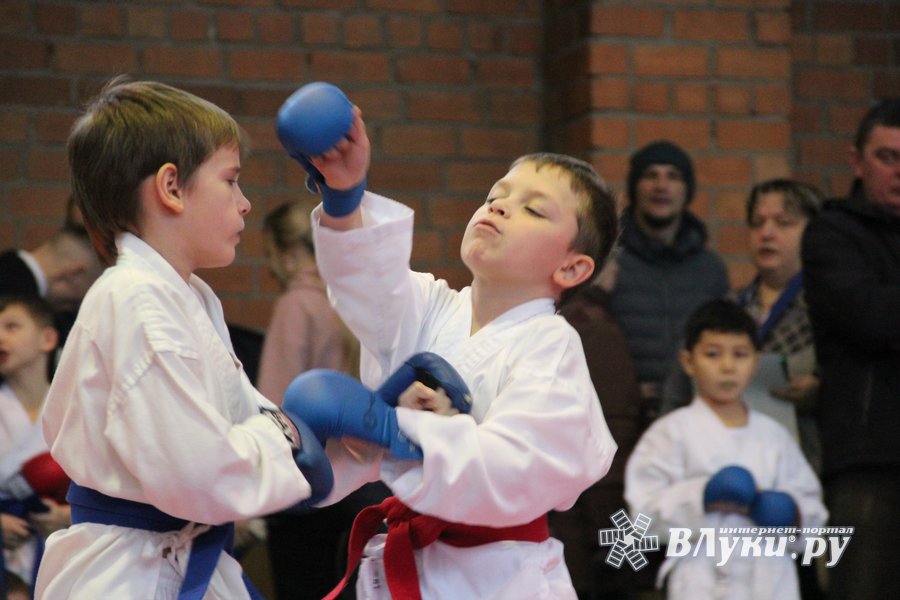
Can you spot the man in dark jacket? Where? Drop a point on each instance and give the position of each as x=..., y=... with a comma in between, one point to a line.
x=851, y=265
x=663, y=269
x=60, y=270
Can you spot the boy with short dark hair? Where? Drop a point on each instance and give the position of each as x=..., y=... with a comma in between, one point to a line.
x=32, y=487
x=536, y=437
x=717, y=463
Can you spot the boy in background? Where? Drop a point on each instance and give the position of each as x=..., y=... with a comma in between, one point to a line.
x=32, y=487
x=716, y=463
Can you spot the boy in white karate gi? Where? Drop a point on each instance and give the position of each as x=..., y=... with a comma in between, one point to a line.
x=32, y=487
x=717, y=463
x=536, y=436
x=150, y=413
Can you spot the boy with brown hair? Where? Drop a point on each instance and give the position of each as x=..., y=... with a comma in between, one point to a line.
x=536, y=437
x=150, y=412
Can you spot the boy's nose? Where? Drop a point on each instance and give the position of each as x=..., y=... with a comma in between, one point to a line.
x=496, y=207
x=243, y=204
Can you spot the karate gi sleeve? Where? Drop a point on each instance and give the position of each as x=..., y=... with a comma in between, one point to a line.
x=541, y=443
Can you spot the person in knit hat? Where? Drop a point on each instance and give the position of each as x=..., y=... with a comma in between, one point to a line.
x=662, y=268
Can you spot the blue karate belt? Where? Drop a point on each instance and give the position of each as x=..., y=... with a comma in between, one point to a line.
x=21, y=509
x=91, y=506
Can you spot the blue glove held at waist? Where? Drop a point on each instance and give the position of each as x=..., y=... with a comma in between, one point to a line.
x=730, y=485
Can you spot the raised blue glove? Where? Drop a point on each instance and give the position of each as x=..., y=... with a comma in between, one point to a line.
x=732, y=485
x=334, y=404
x=772, y=508
x=309, y=455
x=312, y=120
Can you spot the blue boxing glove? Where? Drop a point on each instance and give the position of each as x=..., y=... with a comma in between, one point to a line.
x=309, y=455
x=772, y=508
x=312, y=120
x=334, y=404
x=432, y=370
x=732, y=488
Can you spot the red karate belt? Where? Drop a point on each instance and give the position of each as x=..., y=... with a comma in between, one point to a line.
x=409, y=530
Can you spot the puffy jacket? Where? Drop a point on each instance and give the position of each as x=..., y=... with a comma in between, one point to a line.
x=657, y=288
x=851, y=268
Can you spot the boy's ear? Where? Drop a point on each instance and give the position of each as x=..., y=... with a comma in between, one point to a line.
x=168, y=188
x=576, y=269
x=687, y=362
x=49, y=339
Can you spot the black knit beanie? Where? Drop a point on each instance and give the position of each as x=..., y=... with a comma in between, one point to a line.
x=664, y=153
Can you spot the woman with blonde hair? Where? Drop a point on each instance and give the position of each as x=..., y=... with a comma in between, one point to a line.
x=307, y=552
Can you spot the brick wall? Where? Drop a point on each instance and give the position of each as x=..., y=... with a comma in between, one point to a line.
x=846, y=55
x=713, y=77
x=450, y=90
x=453, y=90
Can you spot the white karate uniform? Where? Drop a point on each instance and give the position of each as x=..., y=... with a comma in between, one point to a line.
x=20, y=441
x=535, y=439
x=150, y=404
x=665, y=478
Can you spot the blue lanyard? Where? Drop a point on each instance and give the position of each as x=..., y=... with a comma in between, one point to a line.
x=794, y=286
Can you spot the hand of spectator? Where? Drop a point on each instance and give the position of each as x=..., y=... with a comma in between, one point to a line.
x=15, y=531
x=58, y=517
x=800, y=390
x=419, y=396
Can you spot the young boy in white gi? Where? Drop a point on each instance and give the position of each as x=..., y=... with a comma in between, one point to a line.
x=716, y=463
x=536, y=437
x=30, y=509
x=150, y=412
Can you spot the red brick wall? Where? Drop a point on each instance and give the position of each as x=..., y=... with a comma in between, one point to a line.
x=846, y=56
x=453, y=90
x=713, y=77
x=450, y=90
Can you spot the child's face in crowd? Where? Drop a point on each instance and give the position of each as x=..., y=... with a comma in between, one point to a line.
x=524, y=230
x=722, y=365
x=775, y=235
x=215, y=207
x=22, y=340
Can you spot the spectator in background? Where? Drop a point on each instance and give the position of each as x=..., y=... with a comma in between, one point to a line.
x=719, y=464
x=851, y=267
x=307, y=552
x=663, y=269
x=60, y=270
x=305, y=332
x=32, y=485
x=777, y=213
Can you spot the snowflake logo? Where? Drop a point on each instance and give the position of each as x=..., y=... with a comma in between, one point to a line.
x=628, y=540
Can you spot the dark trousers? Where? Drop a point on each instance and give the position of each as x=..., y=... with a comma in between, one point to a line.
x=308, y=552
x=869, y=500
